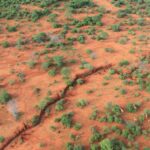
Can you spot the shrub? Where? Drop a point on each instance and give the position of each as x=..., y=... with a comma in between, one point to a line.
x=80, y=3
x=40, y=38
x=123, y=40
x=113, y=144
x=82, y=103
x=65, y=71
x=123, y=63
x=4, y=97
x=66, y=119
x=94, y=115
x=58, y=60
x=121, y=13
x=2, y=139
x=31, y=64
x=96, y=136
x=109, y=50
x=102, y=36
x=77, y=126
x=52, y=72
x=35, y=120
x=81, y=39
x=130, y=107
x=94, y=147
x=141, y=21
x=46, y=65
x=115, y=27
x=5, y=44
x=60, y=105
x=11, y=28
x=44, y=102
x=80, y=81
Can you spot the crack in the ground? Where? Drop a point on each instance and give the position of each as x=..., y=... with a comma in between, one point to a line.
x=58, y=97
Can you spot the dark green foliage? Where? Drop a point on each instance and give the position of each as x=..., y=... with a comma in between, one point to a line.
x=66, y=119
x=60, y=105
x=82, y=103
x=77, y=126
x=58, y=61
x=132, y=107
x=44, y=102
x=113, y=144
x=2, y=139
x=115, y=27
x=5, y=44
x=52, y=72
x=37, y=14
x=121, y=13
x=124, y=63
x=4, y=97
x=46, y=65
x=90, y=20
x=81, y=39
x=96, y=136
x=11, y=28
x=131, y=131
x=81, y=3
x=94, y=147
x=40, y=38
x=35, y=120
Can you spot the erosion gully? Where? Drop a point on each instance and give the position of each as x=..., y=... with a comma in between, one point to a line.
x=26, y=126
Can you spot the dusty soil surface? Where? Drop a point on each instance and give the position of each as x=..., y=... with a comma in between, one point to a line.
x=28, y=85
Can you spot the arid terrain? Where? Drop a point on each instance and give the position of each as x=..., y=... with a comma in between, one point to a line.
x=75, y=74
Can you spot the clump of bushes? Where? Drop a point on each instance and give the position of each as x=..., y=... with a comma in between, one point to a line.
x=40, y=37
x=75, y=4
x=132, y=107
x=114, y=144
x=4, y=97
x=96, y=136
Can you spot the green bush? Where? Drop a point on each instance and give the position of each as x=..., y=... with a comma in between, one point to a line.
x=40, y=38
x=81, y=39
x=5, y=44
x=121, y=13
x=96, y=136
x=113, y=144
x=77, y=126
x=132, y=107
x=11, y=28
x=52, y=72
x=46, y=65
x=35, y=120
x=58, y=61
x=124, y=63
x=102, y=36
x=66, y=119
x=82, y=103
x=2, y=139
x=60, y=105
x=115, y=27
x=81, y=3
x=4, y=97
